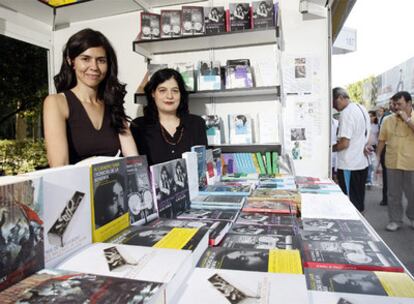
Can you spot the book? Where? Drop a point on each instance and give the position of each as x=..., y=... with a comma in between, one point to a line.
x=234, y=286
x=218, y=202
x=214, y=128
x=250, y=241
x=263, y=14
x=211, y=174
x=319, y=188
x=257, y=229
x=21, y=228
x=276, y=194
x=264, y=219
x=192, y=171
x=238, y=76
x=141, y=204
x=59, y=286
x=210, y=214
x=240, y=16
x=378, y=283
x=351, y=255
x=67, y=211
x=208, y=76
x=166, y=236
x=242, y=190
x=271, y=206
x=150, y=26
x=170, y=23
x=108, y=199
x=214, y=20
x=240, y=129
x=234, y=177
x=171, y=267
x=192, y=20
x=170, y=187
x=187, y=72
x=201, y=165
x=273, y=260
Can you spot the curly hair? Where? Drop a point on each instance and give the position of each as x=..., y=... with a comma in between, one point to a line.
x=110, y=90
x=151, y=110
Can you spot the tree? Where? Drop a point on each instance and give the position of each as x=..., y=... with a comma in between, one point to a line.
x=23, y=83
x=355, y=91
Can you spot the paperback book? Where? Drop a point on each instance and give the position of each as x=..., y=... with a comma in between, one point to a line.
x=210, y=214
x=241, y=190
x=250, y=241
x=265, y=219
x=187, y=72
x=252, y=229
x=218, y=202
x=150, y=26
x=59, y=286
x=240, y=16
x=192, y=20
x=263, y=14
x=170, y=187
x=192, y=171
x=201, y=165
x=214, y=19
x=271, y=206
x=240, y=128
x=238, y=76
x=209, y=78
x=214, y=128
x=141, y=204
x=170, y=23
x=21, y=228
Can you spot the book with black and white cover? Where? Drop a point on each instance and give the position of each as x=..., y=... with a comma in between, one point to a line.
x=209, y=76
x=350, y=255
x=108, y=198
x=265, y=219
x=252, y=229
x=240, y=129
x=238, y=287
x=201, y=165
x=192, y=171
x=60, y=286
x=168, y=266
x=272, y=260
x=315, y=229
x=214, y=20
x=263, y=14
x=193, y=239
x=192, y=20
x=187, y=72
x=170, y=23
x=218, y=202
x=210, y=214
x=170, y=187
x=21, y=228
x=214, y=126
x=154, y=67
x=67, y=211
x=378, y=283
x=240, y=16
x=141, y=204
x=150, y=26
x=250, y=241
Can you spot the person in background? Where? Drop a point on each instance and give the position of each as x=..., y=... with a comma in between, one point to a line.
x=86, y=117
x=334, y=131
x=167, y=129
x=397, y=133
x=372, y=146
x=353, y=133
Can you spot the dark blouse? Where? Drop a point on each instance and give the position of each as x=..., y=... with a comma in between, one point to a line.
x=83, y=139
x=151, y=142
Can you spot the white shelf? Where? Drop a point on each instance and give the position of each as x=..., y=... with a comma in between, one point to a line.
x=247, y=38
x=258, y=91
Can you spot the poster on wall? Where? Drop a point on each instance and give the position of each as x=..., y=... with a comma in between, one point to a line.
x=300, y=74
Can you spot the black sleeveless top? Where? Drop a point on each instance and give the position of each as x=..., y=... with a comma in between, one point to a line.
x=83, y=139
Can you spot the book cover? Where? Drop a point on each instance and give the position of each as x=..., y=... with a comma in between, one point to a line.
x=141, y=204
x=59, y=286
x=271, y=206
x=218, y=165
x=150, y=26
x=276, y=194
x=192, y=20
x=208, y=76
x=218, y=202
x=250, y=241
x=265, y=219
x=210, y=214
x=170, y=23
x=211, y=174
x=108, y=196
x=187, y=72
x=242, y=190
x=201, y=165
x=273, y=260
x=67, y=211
x=191, y=163
x=240, y=127
x=171, y=267
x=214, y=20
x=361, y=282
x=263, y=14
x=257, y=229
x=214, y=128
x=170, y=187
x=238, y=76
x=351, y=255
x=21, y=229
x=238, y=287
x=240, y=16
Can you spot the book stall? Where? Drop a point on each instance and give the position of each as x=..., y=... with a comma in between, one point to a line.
x=251, y=218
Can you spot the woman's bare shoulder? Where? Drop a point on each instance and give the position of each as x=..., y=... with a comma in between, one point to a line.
x=56, y=102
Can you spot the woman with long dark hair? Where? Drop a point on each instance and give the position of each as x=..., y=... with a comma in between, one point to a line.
x=86, y=117
x=167, y=129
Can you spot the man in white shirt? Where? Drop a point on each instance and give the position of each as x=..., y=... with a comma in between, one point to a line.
x=353, y=134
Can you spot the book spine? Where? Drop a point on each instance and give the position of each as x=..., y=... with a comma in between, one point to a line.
x=255, y=163
x=268, y=162
x=275, y=163
x=261, y=163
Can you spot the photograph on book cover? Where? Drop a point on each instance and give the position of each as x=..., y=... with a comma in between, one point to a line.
x=214, y=19
x=150, y=26
x=192, y=20
x=170, y=23
x=240, y=17
x=263, y=14
x=21, y=231
x=229, y=291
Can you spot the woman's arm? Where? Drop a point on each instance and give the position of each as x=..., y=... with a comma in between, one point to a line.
x=55, y=113
x=128, y=146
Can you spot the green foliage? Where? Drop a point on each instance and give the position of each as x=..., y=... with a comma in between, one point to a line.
x=22, y=156
x=355, y=91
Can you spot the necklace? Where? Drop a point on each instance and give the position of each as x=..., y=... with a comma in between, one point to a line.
x=164, y=136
